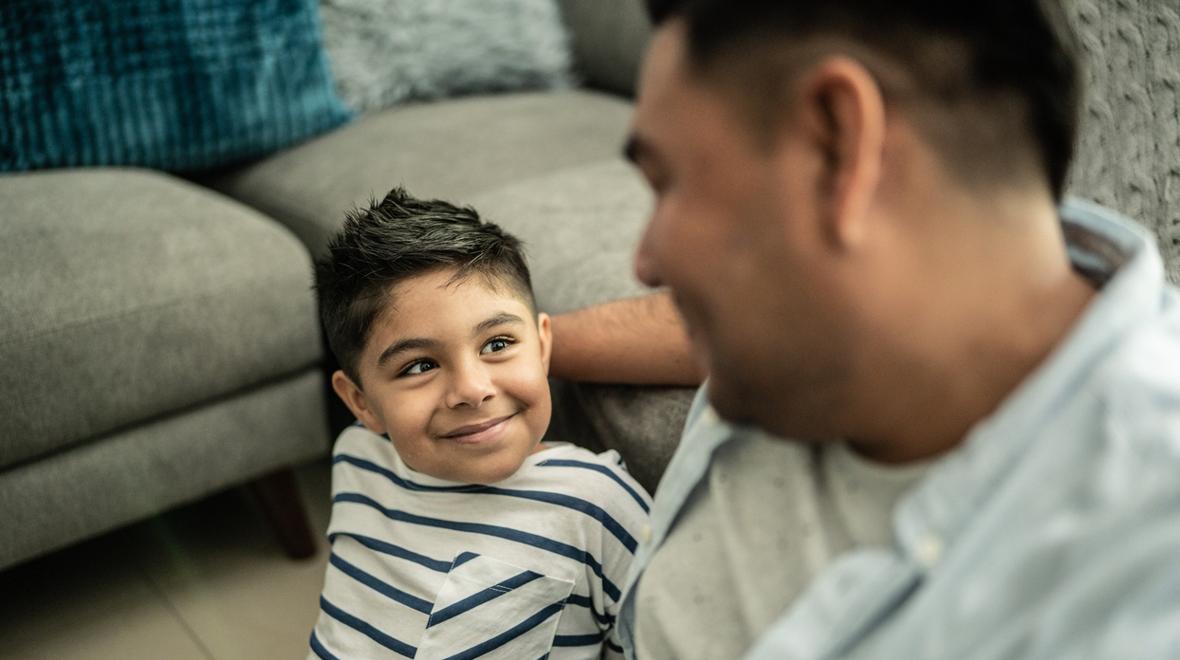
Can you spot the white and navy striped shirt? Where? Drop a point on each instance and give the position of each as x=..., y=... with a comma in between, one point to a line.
x=528, y=567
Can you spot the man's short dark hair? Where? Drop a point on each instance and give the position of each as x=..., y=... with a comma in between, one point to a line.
x=1010, y=64
x=396, y=239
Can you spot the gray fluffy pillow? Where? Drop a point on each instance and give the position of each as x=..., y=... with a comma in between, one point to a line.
x=384, y=52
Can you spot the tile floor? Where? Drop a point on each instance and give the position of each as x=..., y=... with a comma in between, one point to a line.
x=205, y=581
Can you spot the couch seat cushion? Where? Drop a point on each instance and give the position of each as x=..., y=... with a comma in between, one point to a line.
x=126, y=295
x=450, y=149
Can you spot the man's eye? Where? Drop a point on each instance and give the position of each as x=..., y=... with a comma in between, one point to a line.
x=496, y=345
x=418, y=367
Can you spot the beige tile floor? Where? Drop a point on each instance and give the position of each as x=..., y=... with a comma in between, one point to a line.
x=205, y=581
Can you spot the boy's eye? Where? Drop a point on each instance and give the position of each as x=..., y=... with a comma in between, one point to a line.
x=496, y=345
x=418, y=367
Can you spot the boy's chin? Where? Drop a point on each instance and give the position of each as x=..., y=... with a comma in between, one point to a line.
x=498, y=470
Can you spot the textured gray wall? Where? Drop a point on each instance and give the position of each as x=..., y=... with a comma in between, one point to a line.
x=1129, y=153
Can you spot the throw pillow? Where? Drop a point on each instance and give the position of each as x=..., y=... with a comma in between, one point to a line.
x=170, y=84
x=384, y=52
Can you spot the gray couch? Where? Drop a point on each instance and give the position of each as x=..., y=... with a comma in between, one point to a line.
x=159, y=338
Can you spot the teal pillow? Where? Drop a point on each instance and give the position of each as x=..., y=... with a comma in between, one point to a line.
x=177, y=85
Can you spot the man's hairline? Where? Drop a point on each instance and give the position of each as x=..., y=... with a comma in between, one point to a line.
x=895, y=81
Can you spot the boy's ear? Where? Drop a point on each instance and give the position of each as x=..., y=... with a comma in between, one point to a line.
x=545, y=334
x=354, y=398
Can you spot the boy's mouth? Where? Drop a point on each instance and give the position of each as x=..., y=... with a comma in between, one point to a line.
x=474, y=432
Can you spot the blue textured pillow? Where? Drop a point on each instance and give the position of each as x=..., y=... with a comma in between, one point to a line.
x=177, y=85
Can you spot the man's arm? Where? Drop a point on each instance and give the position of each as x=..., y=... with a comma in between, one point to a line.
x=639, y=341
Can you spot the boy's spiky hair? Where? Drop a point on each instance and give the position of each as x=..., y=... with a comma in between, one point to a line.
x=398, y=238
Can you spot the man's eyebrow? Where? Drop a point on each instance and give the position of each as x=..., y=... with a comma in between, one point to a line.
x=413, y=343
x=501, y=318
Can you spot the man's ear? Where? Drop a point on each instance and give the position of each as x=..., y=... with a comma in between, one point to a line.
x=354, y=398
x=545, y=335
x=843, y=114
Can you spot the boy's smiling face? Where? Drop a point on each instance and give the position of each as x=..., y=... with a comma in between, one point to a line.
x=456, y=374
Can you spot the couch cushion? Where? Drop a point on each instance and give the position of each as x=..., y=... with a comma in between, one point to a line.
x=136, y=472
x=609, y=38
x=125, y=295
x=452, y=150
x=580, y=228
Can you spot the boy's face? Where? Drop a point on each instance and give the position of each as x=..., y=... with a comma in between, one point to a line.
x=456, y=374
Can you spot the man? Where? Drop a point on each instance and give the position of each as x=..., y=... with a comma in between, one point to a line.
x=858, y=219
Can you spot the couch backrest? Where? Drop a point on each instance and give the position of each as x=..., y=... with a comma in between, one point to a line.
x=609, y=37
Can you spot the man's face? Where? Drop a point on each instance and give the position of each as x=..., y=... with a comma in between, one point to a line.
x=456, y=374
x=733, y=236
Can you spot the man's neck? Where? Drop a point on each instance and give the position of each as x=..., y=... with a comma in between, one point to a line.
x=998, y=296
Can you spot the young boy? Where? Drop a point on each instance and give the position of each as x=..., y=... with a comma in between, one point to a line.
x=455, y=531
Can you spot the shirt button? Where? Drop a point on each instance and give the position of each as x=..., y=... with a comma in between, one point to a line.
x=645, y=534
x=929, y=550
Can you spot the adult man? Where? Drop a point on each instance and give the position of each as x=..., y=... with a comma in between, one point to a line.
x=857, y=218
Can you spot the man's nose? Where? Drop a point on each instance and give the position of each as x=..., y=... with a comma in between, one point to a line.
x=470, y=386
x=645, y=262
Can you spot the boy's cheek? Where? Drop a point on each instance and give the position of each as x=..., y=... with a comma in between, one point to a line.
x=523, y=380
x=406, y=415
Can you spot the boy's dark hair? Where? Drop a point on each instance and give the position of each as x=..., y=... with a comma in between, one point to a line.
x=398, y=238
x=1010, y=66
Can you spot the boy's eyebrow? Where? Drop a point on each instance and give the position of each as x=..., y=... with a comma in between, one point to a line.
x=502, y=318
x=413, y=343
x=416, y=343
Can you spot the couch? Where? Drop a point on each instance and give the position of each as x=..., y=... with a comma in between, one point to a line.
x=158, y=334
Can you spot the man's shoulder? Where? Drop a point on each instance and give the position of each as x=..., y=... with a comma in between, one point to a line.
x=1138, y=387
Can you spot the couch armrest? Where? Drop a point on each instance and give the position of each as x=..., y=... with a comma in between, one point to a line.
x=609, y=38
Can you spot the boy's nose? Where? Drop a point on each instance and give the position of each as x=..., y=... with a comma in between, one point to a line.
x=470, y=386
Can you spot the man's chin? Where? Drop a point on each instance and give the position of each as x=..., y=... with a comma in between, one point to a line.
x=741, y=410
x=727, y=401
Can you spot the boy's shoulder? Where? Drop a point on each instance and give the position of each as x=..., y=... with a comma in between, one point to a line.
x=560, y=469
x=360, y=447
x=600, y=478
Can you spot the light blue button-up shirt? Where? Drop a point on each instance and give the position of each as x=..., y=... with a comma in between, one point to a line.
x=1052, y=531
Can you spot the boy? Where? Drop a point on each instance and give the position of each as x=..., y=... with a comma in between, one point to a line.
x=455, y=532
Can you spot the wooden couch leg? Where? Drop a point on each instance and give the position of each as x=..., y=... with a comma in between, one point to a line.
x=278, y=494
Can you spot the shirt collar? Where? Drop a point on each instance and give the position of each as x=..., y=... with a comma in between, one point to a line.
x=1121, y=258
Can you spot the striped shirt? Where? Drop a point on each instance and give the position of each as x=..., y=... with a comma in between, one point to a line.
x=528, y=567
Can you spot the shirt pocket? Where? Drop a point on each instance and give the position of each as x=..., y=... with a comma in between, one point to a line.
x=490, y=608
